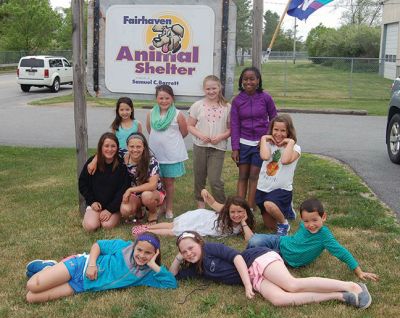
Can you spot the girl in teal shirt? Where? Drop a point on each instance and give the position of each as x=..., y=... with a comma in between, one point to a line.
x=111, y=264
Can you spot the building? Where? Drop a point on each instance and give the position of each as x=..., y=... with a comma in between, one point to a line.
x=390, y=37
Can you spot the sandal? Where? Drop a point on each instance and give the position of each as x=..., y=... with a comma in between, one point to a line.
x=139, y=229
x=152, y=221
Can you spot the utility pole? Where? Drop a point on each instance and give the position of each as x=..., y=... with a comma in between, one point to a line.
x=294, y=41
x=256, y=51
x=80, y=118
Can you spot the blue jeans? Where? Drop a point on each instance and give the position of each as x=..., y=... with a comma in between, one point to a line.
x=271, y=241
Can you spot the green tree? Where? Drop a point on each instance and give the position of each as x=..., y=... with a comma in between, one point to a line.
x=243, y=28
x=360, y=12
x=271, y=20
x=28, y=25
x=64, y=34
x=347, y=41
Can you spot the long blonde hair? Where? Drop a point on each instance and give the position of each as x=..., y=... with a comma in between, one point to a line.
x=221, y=99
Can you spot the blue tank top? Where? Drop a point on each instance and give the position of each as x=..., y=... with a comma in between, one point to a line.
x=122, y=133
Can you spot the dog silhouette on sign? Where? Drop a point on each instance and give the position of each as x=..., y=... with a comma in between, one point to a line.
x=169, y=37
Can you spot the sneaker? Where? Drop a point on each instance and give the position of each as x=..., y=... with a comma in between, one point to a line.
x=37, y=265
x=362, y=300
x=169, y=215
x=282, y=229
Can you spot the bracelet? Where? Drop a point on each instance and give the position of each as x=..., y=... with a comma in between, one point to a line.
x=244, y=225
x=92, y=265
x=179, y=259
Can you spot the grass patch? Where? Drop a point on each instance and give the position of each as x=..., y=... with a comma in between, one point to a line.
x=40, y=219
x=305, y=85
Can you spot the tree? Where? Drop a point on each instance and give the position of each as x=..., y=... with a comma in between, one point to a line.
x=28, y=25
x=63, y=37
x=243, y=28
x=347, y=41
x=359, y=12
x=271, y=20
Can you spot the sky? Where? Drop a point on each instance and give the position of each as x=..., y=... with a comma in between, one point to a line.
x=327, y=15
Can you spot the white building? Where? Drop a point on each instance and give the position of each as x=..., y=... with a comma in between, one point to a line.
x=390, y=38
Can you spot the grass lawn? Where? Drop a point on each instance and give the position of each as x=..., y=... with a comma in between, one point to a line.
x=40, y=219
x=305, y=85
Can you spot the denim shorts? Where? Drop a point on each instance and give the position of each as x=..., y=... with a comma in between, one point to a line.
x=250, y=155
x=272, y=241
x=76, y=266
x=282, y=198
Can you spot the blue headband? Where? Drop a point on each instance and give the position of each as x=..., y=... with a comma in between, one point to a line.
x=150, y=239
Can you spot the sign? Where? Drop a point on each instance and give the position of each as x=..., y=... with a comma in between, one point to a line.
x=149, y=45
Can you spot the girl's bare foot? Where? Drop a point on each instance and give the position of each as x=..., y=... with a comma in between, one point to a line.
x=207, y=197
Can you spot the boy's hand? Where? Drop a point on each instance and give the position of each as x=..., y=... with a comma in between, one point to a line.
x=364, y=276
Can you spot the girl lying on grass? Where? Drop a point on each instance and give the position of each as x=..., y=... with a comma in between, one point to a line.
x=260, y=269
x=233, y=217
x=111, y=264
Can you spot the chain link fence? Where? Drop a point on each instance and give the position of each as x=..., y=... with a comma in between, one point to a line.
x=304, y=77
x=9, y=58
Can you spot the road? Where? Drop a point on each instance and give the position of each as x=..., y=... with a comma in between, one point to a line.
x=358, y=141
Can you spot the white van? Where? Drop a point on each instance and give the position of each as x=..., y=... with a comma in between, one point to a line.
x=40, y=70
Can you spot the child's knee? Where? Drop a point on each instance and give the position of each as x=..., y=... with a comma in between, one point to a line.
x=255, y=240
x=90, y=226
x=33, y=284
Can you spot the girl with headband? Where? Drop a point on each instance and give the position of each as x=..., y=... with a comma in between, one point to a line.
x=260, y=269
x=110, y=264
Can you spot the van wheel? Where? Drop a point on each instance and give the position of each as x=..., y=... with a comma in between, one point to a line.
x=56, y=85
x=393, y=139
x=25, y=88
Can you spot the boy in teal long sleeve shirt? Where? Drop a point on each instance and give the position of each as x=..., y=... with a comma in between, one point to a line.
x=310, y=240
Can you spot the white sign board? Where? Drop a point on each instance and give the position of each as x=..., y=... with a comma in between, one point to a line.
x=149, y=45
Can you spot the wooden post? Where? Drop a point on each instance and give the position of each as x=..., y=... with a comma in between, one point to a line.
x=256, y=51
x=80, y=118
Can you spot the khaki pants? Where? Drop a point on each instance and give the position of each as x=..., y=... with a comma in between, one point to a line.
x=207, y=164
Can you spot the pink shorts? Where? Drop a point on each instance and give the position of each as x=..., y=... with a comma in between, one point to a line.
x=256, y=269
x=161, y=194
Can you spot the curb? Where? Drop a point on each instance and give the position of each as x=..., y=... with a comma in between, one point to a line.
x=302, y=110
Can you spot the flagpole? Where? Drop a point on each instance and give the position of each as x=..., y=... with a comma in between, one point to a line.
x=277, y=30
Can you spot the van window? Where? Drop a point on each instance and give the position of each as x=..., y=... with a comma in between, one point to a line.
x=55, y=63
x=32, y=63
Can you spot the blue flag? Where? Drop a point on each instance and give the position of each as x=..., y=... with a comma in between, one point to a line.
x=301, y=9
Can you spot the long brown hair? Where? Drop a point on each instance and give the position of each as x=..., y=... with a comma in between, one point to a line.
x=287, y=120
x=117, y=121
x=224, y=222
x=101, y=160
x=196, y=237
x=142, y=167
x=221, y=99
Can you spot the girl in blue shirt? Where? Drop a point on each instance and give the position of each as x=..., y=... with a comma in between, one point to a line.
x=260, y=269
x=111, y=264
x=125, y=123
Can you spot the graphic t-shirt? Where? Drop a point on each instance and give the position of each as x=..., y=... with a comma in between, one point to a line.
x=273, y=174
